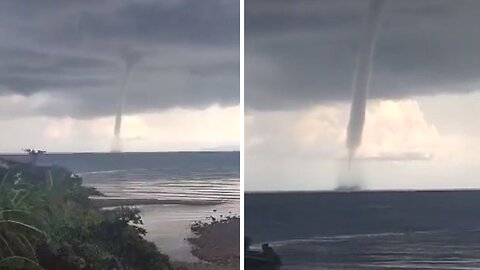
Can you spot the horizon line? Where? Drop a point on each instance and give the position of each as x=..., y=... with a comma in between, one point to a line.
x=125, y=152
x=266, y=192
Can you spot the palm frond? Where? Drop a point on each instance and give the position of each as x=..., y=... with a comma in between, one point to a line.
x=8, y=221
x=7, y=245
x=21, y=258
x=29, y=244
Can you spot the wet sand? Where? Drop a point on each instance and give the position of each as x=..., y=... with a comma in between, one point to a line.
x=218, y=244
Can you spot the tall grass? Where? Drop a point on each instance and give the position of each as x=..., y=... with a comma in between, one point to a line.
x=18, y=236
x=46, y=222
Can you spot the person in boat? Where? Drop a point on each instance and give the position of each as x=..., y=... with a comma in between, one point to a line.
x=247, y=243
x=270, y=254
x=265, y=259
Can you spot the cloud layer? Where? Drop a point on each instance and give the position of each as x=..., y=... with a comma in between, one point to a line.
x=76, y=51
x=303, y=53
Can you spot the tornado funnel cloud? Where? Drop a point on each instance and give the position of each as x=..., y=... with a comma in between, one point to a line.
x=117, y=140
x=130, y=59
x=361, y=81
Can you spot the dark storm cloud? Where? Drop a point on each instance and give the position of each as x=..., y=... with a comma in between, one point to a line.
x=76, y=51
x=198, y=22
x=300, y=53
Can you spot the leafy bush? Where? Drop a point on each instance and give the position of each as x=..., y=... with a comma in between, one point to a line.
x=46, y=222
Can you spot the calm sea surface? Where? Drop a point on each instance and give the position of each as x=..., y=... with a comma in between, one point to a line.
x=368, y=230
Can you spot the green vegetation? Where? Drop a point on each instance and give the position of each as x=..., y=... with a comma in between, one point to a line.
x=47, y=222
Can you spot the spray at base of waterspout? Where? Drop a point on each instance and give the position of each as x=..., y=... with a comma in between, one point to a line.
x=116, y=144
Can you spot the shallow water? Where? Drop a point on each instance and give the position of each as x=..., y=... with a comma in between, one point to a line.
x=132, y=184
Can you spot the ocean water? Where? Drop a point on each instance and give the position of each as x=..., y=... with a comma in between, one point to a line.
x=192, y=176
x=368, y=230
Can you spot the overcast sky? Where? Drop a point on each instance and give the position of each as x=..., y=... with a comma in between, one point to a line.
x=421, y=125
x=62, y=63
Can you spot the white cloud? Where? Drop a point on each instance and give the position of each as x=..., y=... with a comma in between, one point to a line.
x=391, y=128
x=320, y=128
x=396, y=128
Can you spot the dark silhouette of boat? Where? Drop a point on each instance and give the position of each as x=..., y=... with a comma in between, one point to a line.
x=266, y=259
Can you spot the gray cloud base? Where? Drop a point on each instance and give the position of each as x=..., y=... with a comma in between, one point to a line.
x=303, y=53
x=76, y=51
